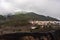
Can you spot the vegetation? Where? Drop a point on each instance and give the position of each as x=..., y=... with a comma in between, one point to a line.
x=28, y=16
x=22, y=19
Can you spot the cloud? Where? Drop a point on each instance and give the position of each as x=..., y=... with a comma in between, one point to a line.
x=44, y=7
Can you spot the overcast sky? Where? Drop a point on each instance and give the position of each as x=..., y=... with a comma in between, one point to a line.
x=43, y=7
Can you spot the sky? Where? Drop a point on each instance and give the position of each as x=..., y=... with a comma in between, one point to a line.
x=42, y=7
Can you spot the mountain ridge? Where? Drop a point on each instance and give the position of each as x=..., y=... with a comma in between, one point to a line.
x=42, y=17
x=30, y=16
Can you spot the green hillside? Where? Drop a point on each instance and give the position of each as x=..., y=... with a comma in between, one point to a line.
x=22, y=19
x=34, y=16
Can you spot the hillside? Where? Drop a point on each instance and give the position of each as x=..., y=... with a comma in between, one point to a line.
x=20, y=22
x=28, y=15
x=41, y=17
x=34, y=16
x=23, y=18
